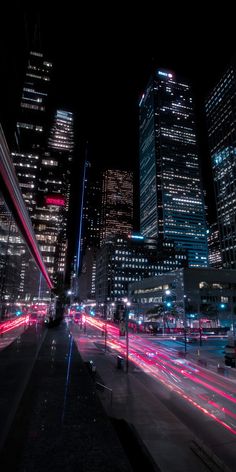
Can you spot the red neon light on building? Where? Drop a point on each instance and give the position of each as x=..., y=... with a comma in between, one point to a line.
x=57, y=201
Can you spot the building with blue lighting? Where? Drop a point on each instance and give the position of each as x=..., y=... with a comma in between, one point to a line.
x=221, y=123
x=171, y=196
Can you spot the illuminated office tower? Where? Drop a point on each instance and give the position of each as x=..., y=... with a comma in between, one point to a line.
x=91, y=215
x=221, y=123
x=50, y=218
x=171, y=197
x=215, y=256
x=31, y=126
x=117, y=203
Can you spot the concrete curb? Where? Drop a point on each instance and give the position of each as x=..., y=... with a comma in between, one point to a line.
x=208, y=457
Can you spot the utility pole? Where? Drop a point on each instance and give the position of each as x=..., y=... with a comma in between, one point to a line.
x=126, y=312
x=185, y=327
x=105, y=335
x=127, y=340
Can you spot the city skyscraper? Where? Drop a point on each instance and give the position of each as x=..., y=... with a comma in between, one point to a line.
x=221, y=123
x=89, y=240
x=31, y=126
x=91, y=217
x=117, y=203
x=50, y=217
x=171, y=197
x=42, y=159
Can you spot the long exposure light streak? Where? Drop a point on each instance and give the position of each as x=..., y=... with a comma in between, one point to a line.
x=179, y=375
x=11, y=324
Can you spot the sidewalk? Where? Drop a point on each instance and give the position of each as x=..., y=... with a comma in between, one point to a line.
x=59, y=423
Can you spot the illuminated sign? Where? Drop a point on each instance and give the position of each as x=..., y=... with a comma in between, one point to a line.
x=165, y=74
x=55, y=200
x=136, y=236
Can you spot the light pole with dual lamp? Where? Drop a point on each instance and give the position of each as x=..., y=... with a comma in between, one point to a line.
x=168, y=305
x=127, y=304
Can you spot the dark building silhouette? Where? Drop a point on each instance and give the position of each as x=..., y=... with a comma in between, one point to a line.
x=90, y=230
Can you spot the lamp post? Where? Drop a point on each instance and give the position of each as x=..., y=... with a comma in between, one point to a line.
x=127, y=304
x=105, y=326
x=112, y=308
x=199, y=323
x=185, y=327
x=105, y=338
x=232, y=316
x=167, y=304
x=70, y=294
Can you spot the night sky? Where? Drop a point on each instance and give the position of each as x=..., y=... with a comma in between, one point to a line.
x=103, y=57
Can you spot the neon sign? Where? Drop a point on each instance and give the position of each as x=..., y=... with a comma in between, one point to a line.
x=56, y=201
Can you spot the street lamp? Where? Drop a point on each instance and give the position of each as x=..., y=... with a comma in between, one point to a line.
x=127, y=304
x=112, y=308
x=70, y=294
x=167, y=304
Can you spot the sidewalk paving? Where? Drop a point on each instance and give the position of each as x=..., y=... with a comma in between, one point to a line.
x=60, y=423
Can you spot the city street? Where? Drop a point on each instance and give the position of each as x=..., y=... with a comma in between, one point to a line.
x=201, y=399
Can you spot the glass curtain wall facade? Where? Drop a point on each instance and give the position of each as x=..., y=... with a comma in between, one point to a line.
x=23, y=276
x=171, y=196
x=20, y=278
x=221, y=123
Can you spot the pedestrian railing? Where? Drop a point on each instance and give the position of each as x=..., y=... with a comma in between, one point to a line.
x=103, y=388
